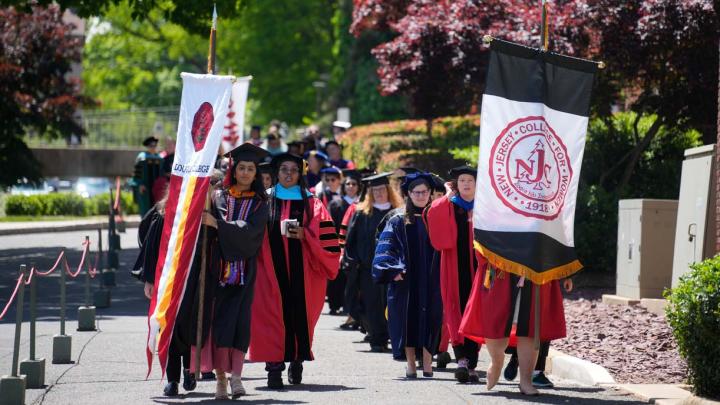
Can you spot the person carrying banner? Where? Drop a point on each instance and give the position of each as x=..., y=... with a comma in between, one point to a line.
x=360, y=250
x=148, y=167
x=238, y=217
x=300, y=252
x=450, y=226
x=406, y=261
x=350, y=190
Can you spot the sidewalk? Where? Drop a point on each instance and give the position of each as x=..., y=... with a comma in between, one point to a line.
x=110, y=367
x=89, y=223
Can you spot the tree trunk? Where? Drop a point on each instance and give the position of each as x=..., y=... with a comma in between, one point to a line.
x=428, y=127
x=636, y=152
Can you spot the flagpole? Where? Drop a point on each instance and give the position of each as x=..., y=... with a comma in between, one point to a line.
x=544, y=38
x=203, y=245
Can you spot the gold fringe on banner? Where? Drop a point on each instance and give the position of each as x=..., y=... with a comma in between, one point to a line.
x=518, y=269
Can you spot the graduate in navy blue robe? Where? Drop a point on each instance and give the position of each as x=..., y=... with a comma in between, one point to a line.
x=407, y=262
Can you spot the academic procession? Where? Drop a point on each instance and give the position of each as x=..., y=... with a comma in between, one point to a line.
x=431, y=261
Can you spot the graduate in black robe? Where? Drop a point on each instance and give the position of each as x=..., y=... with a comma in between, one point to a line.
x=350, y=191
x=406, y=261
x=360, y=250
x=239, y=216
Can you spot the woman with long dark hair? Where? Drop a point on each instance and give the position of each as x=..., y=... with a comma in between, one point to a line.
x=299, y=254
x=406, y=261
x=238, y=218
x=380, y=198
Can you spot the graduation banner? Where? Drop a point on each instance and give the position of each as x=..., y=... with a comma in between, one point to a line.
x=233, y=134
x=532, y=136
x=203, y=108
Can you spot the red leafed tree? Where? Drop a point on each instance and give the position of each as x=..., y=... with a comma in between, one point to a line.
x=437, y=58
x=37, y=51
x=662, y=55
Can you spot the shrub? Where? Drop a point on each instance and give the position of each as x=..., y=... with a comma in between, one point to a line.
x=693, y=312
x=389, y=145
x=70, y=204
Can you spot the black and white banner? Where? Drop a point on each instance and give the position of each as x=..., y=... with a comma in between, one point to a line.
x=532, y=136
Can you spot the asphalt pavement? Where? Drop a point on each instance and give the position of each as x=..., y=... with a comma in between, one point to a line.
x=110, y=367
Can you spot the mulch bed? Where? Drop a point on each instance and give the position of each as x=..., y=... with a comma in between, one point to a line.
x=635, y=345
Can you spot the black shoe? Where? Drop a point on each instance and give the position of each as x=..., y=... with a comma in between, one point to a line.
x=295, y=373
x=353, y=325
x=473, y=376
x=378, y=348
x=511, y=369
x=189, y=382
x=334, y=312
x=462, y=375
x=208, y=376
x=443, y=359
x=171, y=389
x=275, y=381
x=539, y=380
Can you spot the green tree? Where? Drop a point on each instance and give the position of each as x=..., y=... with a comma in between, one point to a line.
x=285, y=45
x=128, y=63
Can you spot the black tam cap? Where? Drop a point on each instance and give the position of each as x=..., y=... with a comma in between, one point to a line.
x=285, y=157
x=456, y=172
x=378, y=179
x=150, y=140
x=248, y=152
x=438, y=183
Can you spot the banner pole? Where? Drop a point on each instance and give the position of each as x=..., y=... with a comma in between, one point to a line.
x=203, y=245
x=544, y=38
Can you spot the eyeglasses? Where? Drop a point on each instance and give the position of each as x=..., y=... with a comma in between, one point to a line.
x=285, y=170
x=351, y=184
x=331, y=179
x=420, y=193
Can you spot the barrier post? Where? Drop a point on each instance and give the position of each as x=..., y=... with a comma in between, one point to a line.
x=112, y=254
x=12, y=387
x=108, y=274
x=62, y=343
x=86, y=313
x=101, y=297
x=33, y=369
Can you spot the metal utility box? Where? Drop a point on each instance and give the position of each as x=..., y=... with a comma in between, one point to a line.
x=646, y=235
x=695, y=232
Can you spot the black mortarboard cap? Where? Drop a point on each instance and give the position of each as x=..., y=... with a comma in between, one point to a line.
x=285, y=157
x=352, y=173
x=248, y=152
x=265, y=167
x=149, y=140
x=457, y=171
x=378, y=179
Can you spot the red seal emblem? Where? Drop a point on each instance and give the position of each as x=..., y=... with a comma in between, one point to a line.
x=202, y=122
x=530, y=169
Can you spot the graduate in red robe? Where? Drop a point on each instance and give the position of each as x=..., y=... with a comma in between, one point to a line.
x=294, y=265
x=451, y=232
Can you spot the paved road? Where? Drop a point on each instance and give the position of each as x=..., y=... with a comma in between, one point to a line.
x=110, y=365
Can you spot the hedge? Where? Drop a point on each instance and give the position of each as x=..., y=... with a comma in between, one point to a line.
x=66, y=204
x=693, y=312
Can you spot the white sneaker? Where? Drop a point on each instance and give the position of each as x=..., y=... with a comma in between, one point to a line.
x=236, y=387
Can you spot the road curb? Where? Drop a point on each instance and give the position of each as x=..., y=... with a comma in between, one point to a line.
x=64, y=227
x=572, y=368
